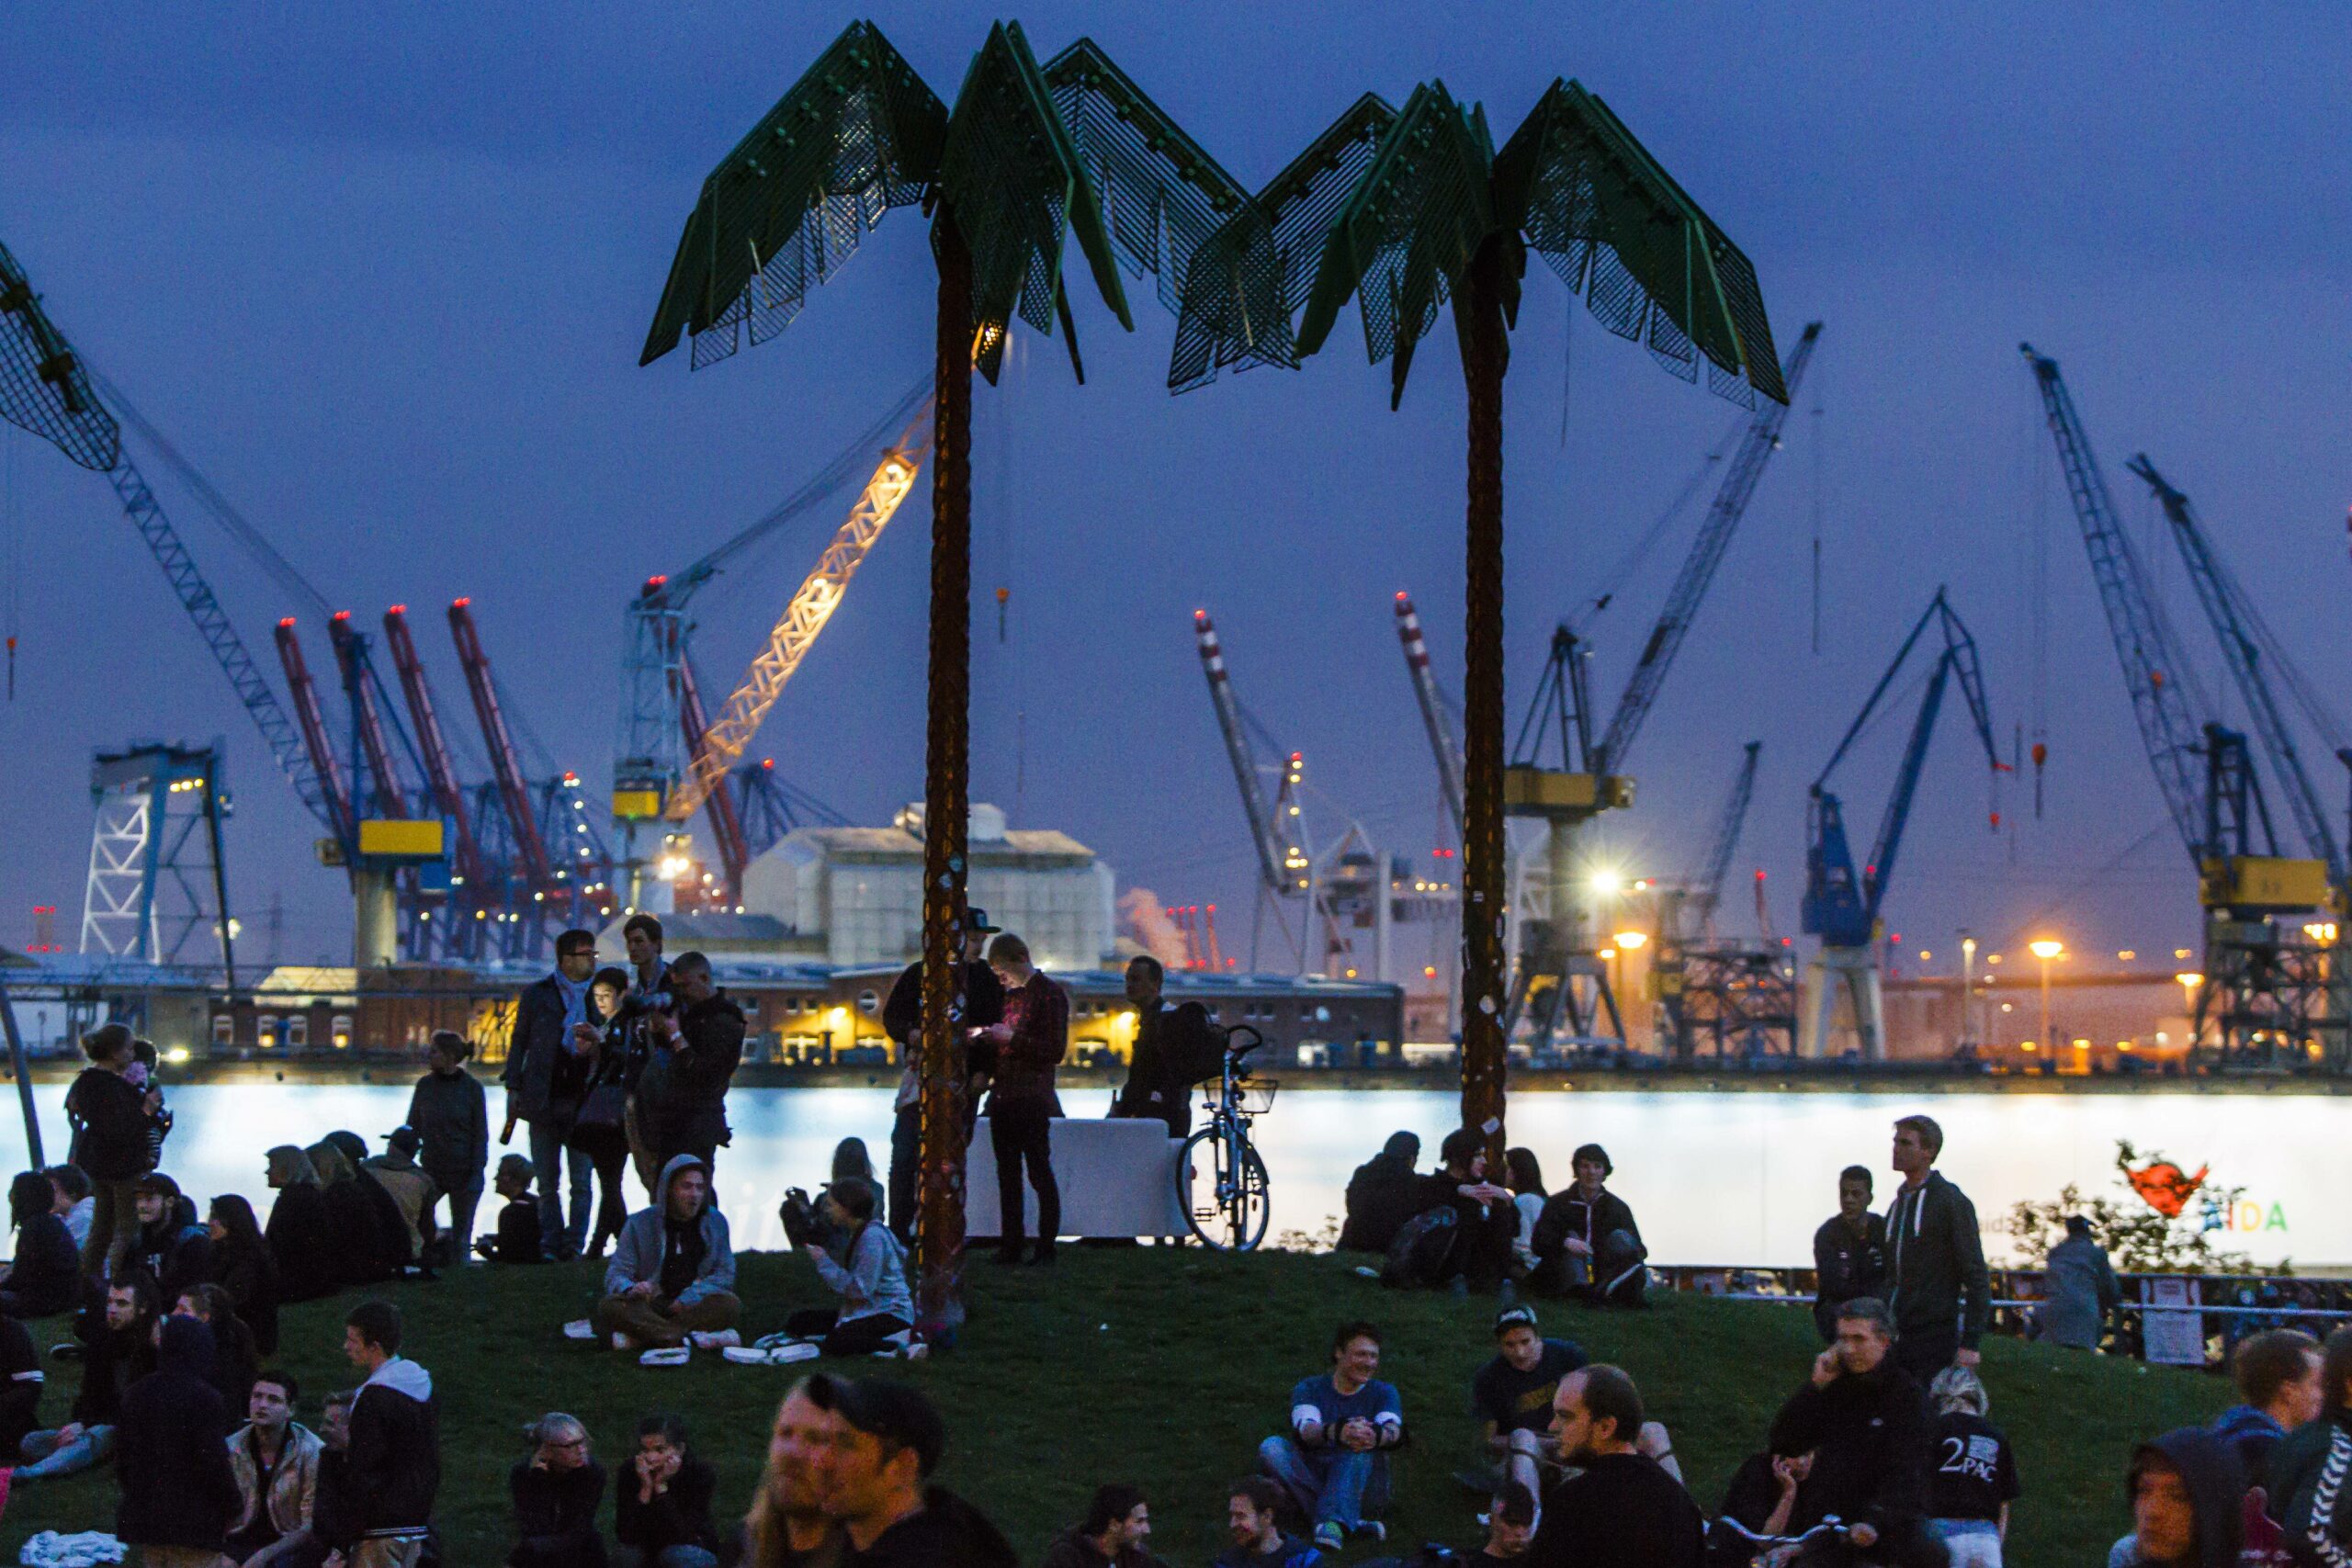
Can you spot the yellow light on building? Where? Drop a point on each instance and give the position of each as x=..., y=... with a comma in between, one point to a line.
x=1632, y=941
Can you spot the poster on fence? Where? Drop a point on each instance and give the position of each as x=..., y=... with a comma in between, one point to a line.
x=2174, y=1338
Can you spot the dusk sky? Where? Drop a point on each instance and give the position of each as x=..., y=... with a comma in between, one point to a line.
x=383, y=274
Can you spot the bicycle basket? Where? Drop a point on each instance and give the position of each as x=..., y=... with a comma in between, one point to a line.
x=1256, y=1095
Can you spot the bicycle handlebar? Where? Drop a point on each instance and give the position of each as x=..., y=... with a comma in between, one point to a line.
x=1235, y=1053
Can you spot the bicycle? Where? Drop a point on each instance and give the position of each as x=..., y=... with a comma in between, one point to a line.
x=1727, y=1534
x=1227, y=1199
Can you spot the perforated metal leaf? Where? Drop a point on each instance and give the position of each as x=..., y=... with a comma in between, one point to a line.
x=1251, y=278
x=1617, y=229
x=857, y=135
x=43, y=386
x=1407, y=234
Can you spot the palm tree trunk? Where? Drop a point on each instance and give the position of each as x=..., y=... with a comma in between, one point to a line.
x=1485, y=355
x=946, y=797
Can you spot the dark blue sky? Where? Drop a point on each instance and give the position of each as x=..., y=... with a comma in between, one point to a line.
x=384, y=278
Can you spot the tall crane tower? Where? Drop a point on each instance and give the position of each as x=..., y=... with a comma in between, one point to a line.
x=1286, y=870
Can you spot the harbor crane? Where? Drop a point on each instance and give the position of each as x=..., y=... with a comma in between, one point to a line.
x=1841, y=901
x=1286, y=870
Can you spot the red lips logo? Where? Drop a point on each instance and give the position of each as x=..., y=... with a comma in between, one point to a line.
x=2164, y=1187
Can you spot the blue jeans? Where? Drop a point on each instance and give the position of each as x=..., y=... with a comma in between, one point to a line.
x=45, y=1455
x=1329, y=1485
x=550, y=1152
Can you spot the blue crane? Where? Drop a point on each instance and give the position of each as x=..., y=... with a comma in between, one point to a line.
x=1841, y=902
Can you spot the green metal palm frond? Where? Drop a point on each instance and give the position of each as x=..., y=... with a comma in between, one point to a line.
x=1162, y=195
x=1253, y=276
x=1617, y=229
x=1011, y=170
x=1407, y=235
x=858, y=134
x=43, y=386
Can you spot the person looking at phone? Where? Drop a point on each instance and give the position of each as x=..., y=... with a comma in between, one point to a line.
x=1030, y=1041
x=548, y=1065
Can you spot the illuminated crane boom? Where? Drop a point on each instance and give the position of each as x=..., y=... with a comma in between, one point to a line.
x=530, y=847
x=440, y=773
x=730, y=736
x=1433, y=717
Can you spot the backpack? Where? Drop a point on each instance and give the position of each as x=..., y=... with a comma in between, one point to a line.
x=1422, y=1252
x=1194, y=1048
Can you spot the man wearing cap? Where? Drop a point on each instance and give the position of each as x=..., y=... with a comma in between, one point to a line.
x=903, y=1021
x=171, y=1245
x=1512, y=1396
x=879, y=1488
x=415, y=1191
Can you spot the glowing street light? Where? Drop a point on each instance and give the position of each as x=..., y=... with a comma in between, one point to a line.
x=2045, y=948
x=1607, y=883
x=1631, y=942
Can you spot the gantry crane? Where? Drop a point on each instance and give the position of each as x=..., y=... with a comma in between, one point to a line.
x=471, y=878
x=1734, y=994
x=1285, y=869
x=1841, y=901
x=2270, y=986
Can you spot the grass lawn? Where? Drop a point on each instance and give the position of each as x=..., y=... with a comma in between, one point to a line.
x=1164, y=1368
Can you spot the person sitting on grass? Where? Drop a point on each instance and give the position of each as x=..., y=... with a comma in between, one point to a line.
x=1512, y=1395
x=866, y=1268
x=1334, y=1464
x=1769, y=1496
x=45, y=1277
x=414, y=1193
x=172, y=1454
x=2305, y=1473
x=117, y=1352
x=2280, y=1388
x=301, y=1232
x=518, y=1237
x=171, y=1245
x=243, y=1265
x=367, y=1241
x=1585, y=1243
x=276, y=1461
x=1623, y=1510
x=1972, y=1471
x=2188, y=1500
x=334, y=1505
x=395, y=1465
x=556, y=1492
x=1112, y=1535
x=1254, y=1533
x=1381, y=1195
x=673, y=1274
x=788, y=1525
x=1510, y=1530
x=75, y=1203
x=878, y=1486
x=234, y=1363
x=22, y=1385
x=662, y=1502
x=1487, y=1215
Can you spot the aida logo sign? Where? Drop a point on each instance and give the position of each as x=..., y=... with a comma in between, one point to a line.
x=2168, y=1189
x=2246, y=1214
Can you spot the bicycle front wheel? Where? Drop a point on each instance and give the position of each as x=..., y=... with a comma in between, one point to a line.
x=1227, y=1199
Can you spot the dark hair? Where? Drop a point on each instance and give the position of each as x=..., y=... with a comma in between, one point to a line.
x=1109, y=1506
x=690, y=964
x=283, y=1380
x=1861, y=1173
x=1610, y=1393
x=1159, y=972
x=70, y=1180
x=219, y=1306
x=1595, y=1152
x=901, y=1416
x=107, y=1042
x=142, y=1286
x=850, y=1158
x=611, y=975
x=236, y=1217
x=1265, y=1497
x=645, y=923
x=1524, y=1171
x=576, y=940
x=1008, y=949
x=2335, y=1370
x=1349, y=1333
x=1931, y=1137
x=1514, y=1505
x=378, y=1323
x=157, y=1183
x=856, y=1195
x=2263, y=1363
x=144, y=1051
x=1869, y=1310
x=2077, y=1226
x=30, y=1195
x=451, y=1043
x=1459, y=1146
x=339, y=1399
x=664, y=1424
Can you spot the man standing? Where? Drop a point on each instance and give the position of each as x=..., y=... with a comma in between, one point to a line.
x=1117, y=1523
x=693, y=1048
x=1849, y=1252
x=879, y=1487
x=1865, y=1421
x=1334, y=1464
x=276, y=1461
x=1167, y=1039
x=2079, y=1288
x=1624, y=1511
x=109, y=1120
x=546, y=1078
x=1586, y=1241
x=1030, y=1042
x=903, y=1021
x=672, y=1272
x=450, y=1112
x=1934, y=1256
x=394, y=1464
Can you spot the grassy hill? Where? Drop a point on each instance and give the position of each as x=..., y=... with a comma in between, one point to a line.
x=1164, y=1368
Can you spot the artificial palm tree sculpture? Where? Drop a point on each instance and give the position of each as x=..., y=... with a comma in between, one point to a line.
x=1026, y=157
x=1407, y=211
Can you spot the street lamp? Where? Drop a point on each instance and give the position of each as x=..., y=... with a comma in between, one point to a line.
x=1967, y=989
x=2046, y=949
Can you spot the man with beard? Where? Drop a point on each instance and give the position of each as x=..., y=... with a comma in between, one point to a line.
x=1624, y=1511
x=878, y=1486
x=1255, y=1539
x=787, y=1526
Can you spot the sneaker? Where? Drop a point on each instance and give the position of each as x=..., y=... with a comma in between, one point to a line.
x=670, y=1355
x=622, y=1341
x=798, y=1350
x=1370, y=1529
x=579, y=1328
x=714, y=1339
x=1329, y=1537
x=71, y=1350
x=746, y=1354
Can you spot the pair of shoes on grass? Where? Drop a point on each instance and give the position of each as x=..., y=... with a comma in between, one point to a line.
x=1331, y=1535
x=766, y=1355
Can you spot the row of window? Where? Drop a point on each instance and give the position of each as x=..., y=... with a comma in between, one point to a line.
x=291, y=1031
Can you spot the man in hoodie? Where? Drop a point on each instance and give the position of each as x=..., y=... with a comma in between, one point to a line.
x=171, y=1245
x=1938, y=1288
x=878, y=1487
x=1254, y=1532
x=394, y=1464
x=1865, y=1421
x=2079, y=1289
x=672, y=1272
x=2280, y=1388
x=1381, y=1195
x=276, y=1461
x=2308, y=1474
x=451, y=1115
x=172, y=1455
x=1586, y=1241
x=693, y=1049
x=2187, y=1494
x=547, y=1077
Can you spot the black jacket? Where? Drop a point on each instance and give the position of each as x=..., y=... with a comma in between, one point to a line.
x=47, y=1274
x=947, y=1533
x=452, y=1115
x=682, y=1093
x=113, y=1360
x=678, y=1516
x=1565, y=1213
x=1158, y=1083
x=21, y=1381
x=555, y=1514
x=175, y=1251
x=532, y=1051
x=1072, y=1549
x=250, y=1276
x=1870, y=1434
x=519, y=1239
x=302, y=1243
x=1381, y=1198
x=171, y=1450
x=1750, y=1499
x=902, y=1014
x=1934, y=1256
x=110, y=1118
x=1623, y=1512
x=1847, y=1267
x=2313, y=1460
x=395, y=1450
